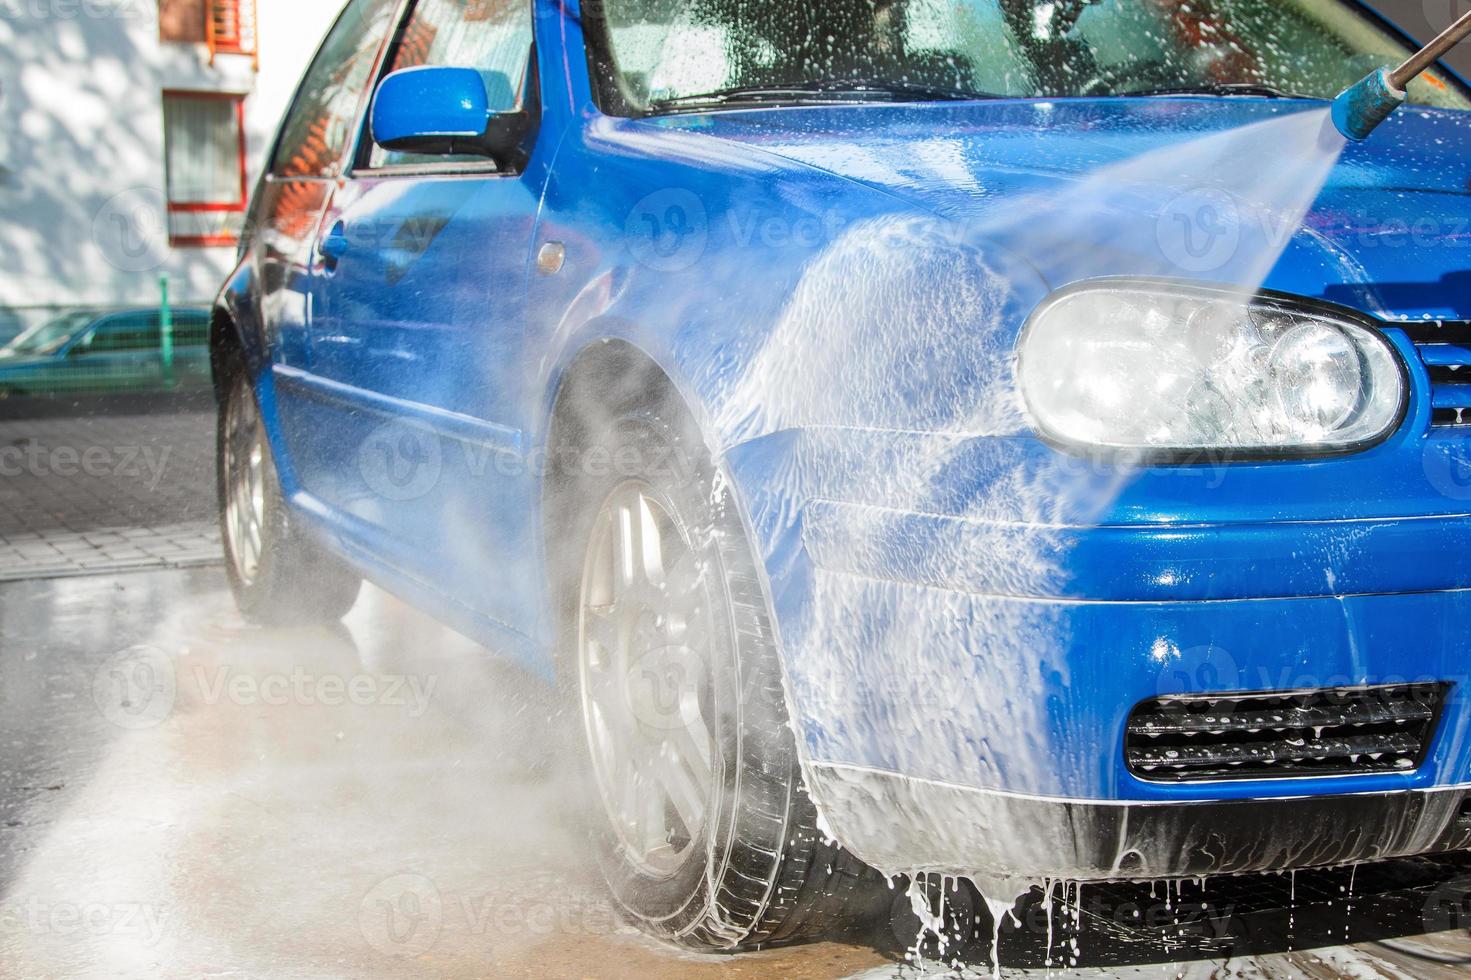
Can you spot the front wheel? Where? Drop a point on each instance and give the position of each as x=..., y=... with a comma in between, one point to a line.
x=278, y=576
x=701, y=823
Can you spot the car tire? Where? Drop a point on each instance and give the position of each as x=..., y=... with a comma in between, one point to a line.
x=278, y=575
x=742, y=864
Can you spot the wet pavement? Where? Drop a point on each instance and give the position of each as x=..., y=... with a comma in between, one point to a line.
x=105, y=486
x=182, y=795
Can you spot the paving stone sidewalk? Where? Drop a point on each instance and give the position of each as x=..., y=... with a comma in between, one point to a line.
x=106, y=493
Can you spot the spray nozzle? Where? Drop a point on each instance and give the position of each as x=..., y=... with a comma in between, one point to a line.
x=1361, y=107
x=1366, y=104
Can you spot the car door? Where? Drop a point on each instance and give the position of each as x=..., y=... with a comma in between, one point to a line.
x=119, y=352
x=191, y=348
x=416, y=326
x=307, y=161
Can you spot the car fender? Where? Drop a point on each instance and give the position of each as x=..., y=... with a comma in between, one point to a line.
x=747, y=355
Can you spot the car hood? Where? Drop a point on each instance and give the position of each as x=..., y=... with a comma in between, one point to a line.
x=1091, y=187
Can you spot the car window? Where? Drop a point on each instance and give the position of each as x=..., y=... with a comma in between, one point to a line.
x=190, y=328
x=1304, y=46
x=320, y=123
x=50, y=336
x=122, y=332
x=647, y=51
x=493, y=36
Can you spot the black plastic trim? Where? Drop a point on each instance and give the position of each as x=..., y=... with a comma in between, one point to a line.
x=1433, y=694
x=1241, y=836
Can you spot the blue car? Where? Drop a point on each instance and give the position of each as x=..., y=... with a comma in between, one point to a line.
x=1005, y=439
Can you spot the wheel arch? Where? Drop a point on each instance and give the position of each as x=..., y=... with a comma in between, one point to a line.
x=637, y=374
x=612, y=375
x=233, y=327
x=225, y=346
x=237, y=343
x=607, y=375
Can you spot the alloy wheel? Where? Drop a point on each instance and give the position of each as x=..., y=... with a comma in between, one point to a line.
x=245, y=482
x=644, y=666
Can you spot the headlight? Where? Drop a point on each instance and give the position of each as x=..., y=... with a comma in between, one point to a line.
x=1170, y=369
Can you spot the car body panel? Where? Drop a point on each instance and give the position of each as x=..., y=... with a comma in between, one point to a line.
x=836, y=294
x=421, y=319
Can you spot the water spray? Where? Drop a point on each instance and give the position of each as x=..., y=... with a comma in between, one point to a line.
x=1360, y=109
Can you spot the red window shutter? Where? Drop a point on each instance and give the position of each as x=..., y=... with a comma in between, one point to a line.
x=182, y=20
x=231, y=27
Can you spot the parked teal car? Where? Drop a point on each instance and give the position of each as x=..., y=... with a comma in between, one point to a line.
x=98, y=351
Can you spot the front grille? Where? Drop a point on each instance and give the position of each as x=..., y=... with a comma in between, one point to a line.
x=1334, y=731
x=1445, y=347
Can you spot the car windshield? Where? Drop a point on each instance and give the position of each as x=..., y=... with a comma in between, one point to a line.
x=50, y=336
x=658, y=54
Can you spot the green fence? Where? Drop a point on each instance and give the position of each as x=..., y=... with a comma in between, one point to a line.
x=102, y=350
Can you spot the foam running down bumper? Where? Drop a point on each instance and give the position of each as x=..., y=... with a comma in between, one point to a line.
x=954, y=829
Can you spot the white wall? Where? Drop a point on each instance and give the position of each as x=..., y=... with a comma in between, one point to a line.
x=82, y=209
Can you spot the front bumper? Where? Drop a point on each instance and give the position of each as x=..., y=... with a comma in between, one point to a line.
x=982, y=735
x=898, y=822
x=968, y=732
x=1031, y=697
x=973, y=638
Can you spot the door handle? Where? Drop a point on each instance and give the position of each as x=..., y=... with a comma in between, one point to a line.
x=334, y=246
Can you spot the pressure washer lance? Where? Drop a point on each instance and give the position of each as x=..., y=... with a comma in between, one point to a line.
x=1362, y=107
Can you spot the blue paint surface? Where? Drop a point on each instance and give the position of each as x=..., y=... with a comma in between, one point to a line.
x=688, y=237
x=430, y=101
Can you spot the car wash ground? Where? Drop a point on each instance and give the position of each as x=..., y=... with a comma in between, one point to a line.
x=106, y=484
x=183, y=795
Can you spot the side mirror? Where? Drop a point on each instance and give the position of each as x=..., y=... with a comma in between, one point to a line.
x=447, y=111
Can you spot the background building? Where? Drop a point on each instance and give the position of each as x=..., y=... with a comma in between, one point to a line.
x=131, y=130
x=130, y=134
